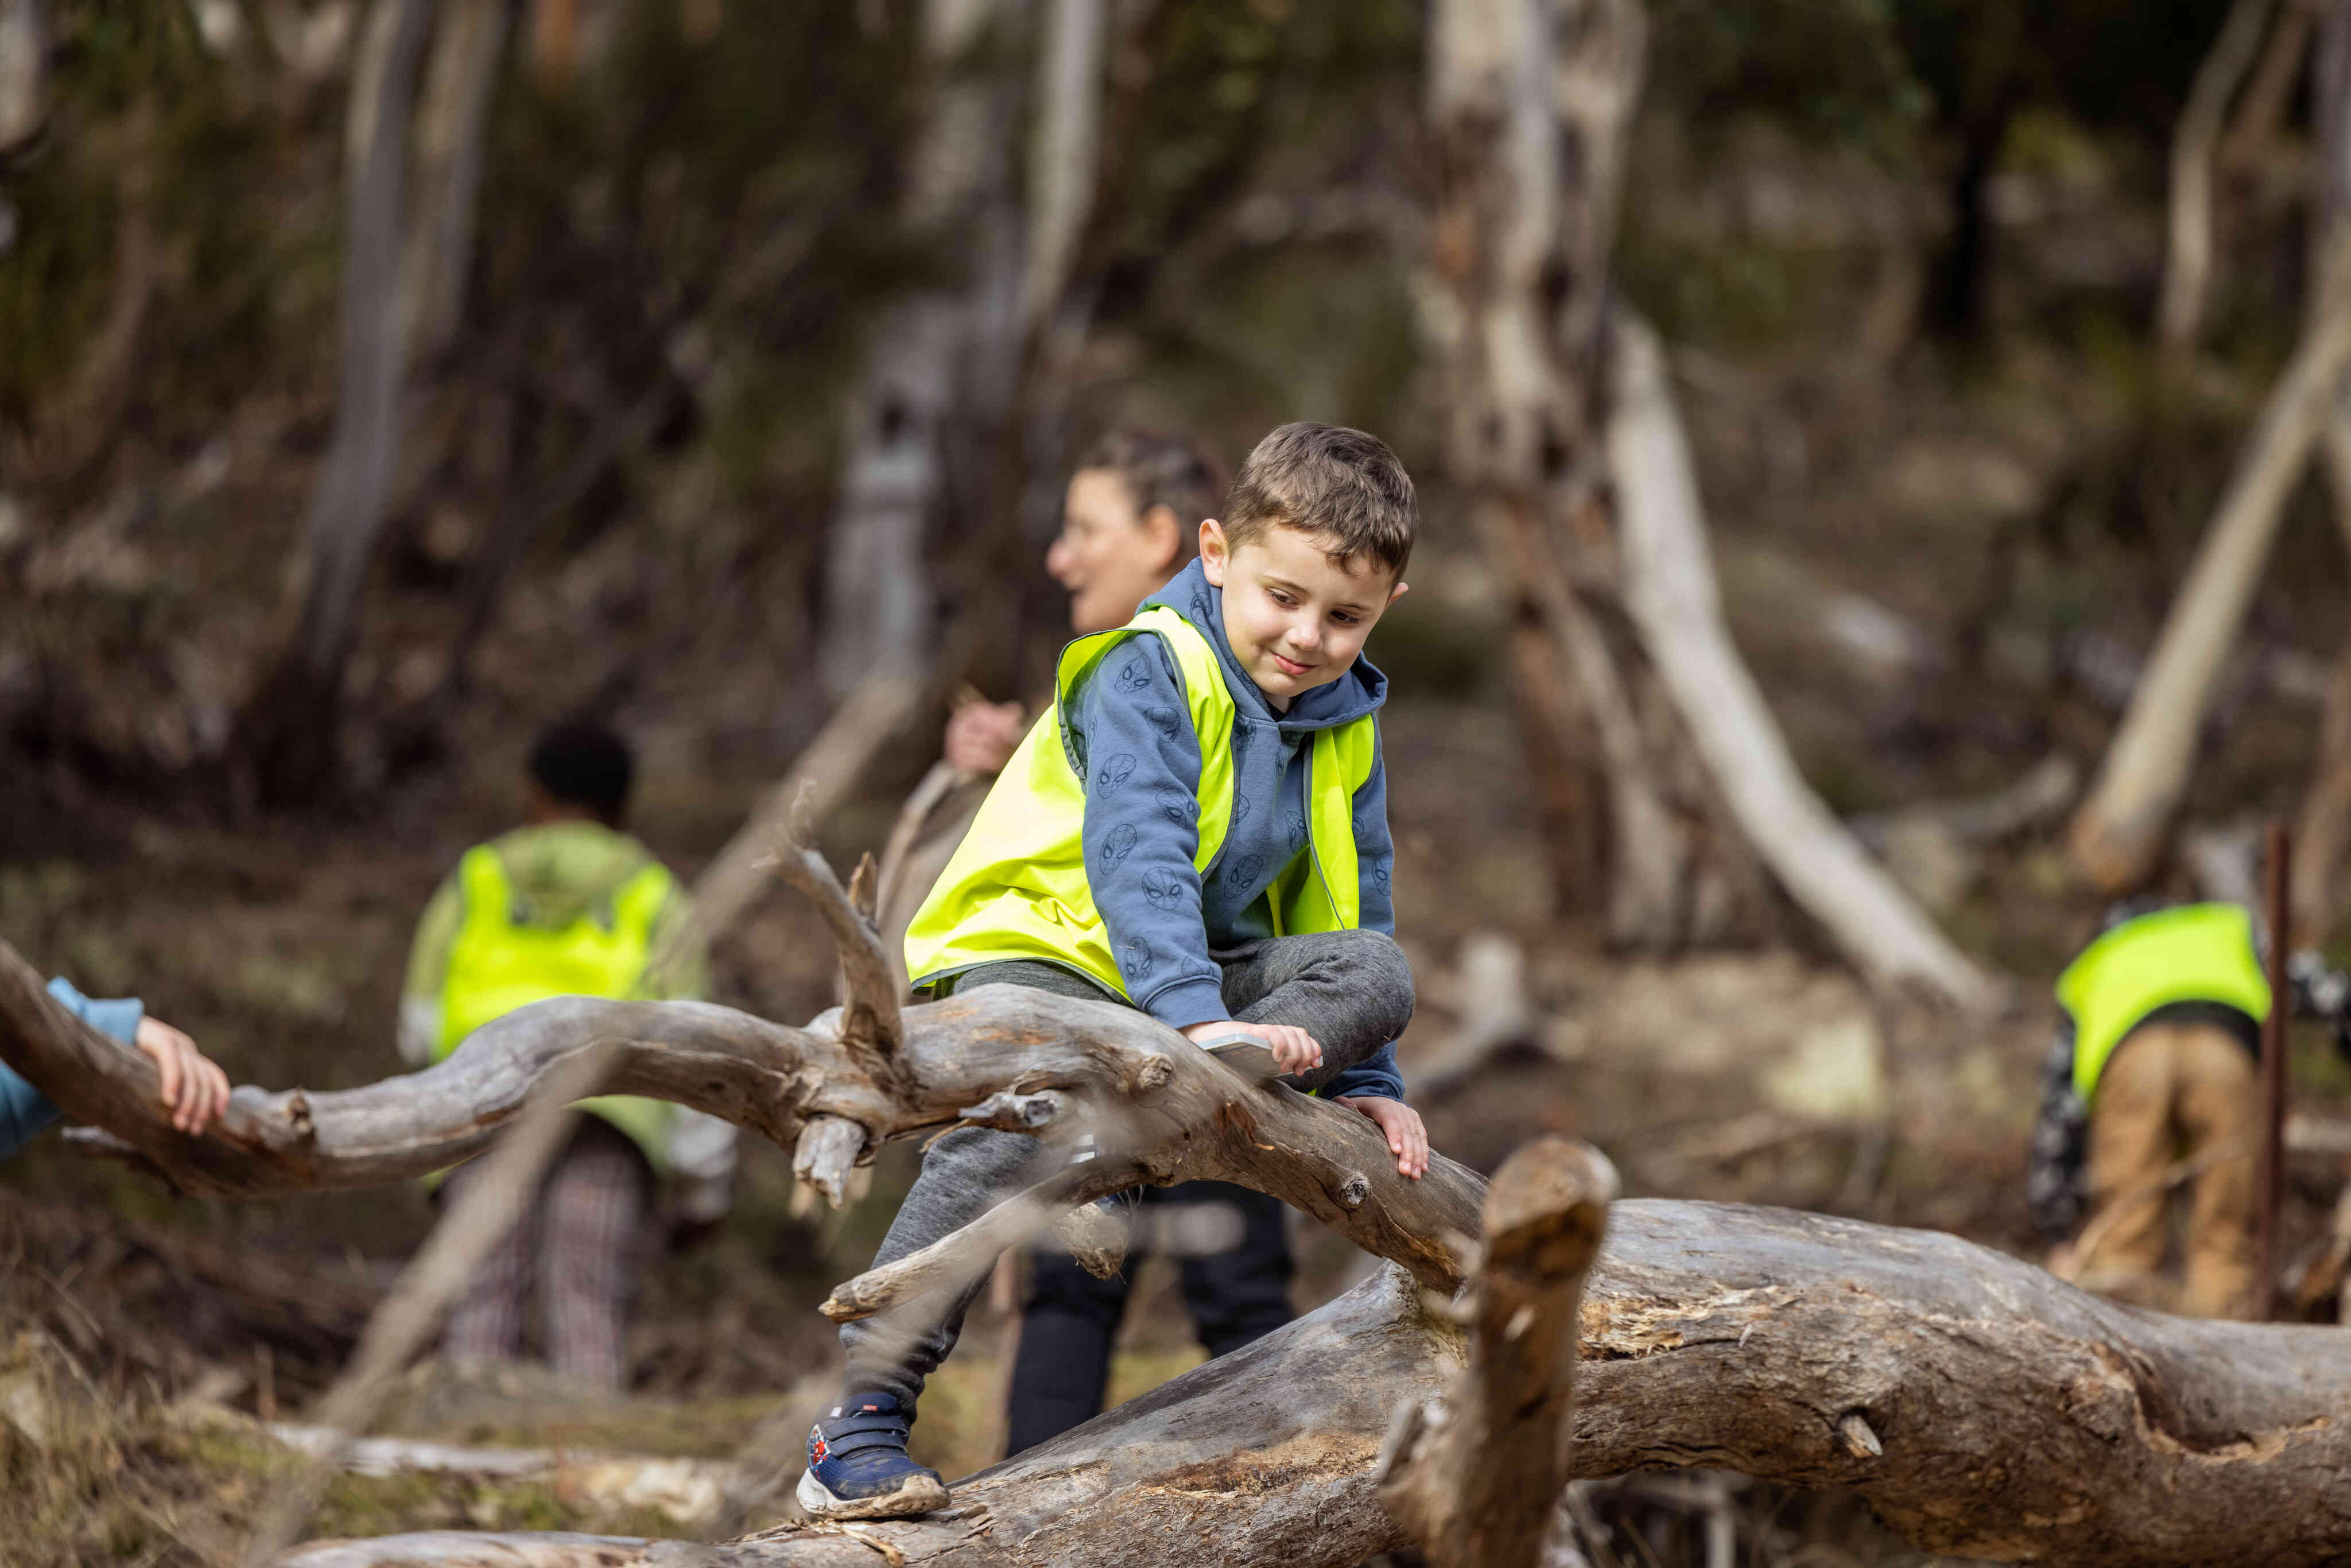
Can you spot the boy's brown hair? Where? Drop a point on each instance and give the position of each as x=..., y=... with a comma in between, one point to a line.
x=1170, y=471
x=1326, y=479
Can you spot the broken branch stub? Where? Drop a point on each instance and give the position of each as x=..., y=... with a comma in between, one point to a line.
x=827, y=1150
x=1475, y=1480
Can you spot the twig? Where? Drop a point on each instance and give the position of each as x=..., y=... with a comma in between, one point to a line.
x=870, y=1024
x=962, y=1255
x=411, y=1312
x=817, y=781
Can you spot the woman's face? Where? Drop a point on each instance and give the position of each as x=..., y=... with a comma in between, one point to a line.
x=1109, y=558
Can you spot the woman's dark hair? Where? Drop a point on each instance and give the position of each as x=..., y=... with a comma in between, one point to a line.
x=1169, y=471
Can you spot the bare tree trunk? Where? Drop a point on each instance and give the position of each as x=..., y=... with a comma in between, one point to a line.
x=1065, y=150
x=2188, y=257
x=2118, y=835
x=930, y=360
x=1671, y=594
x=1585, y=499
x=24, y=72
x=1980, y=1407
x=2322, y=828
x=287, y=740
x=452, y=125
x=1474, y=1480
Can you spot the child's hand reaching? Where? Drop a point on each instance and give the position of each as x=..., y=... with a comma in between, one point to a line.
x=1407, y=1137
x=1294, y=1050
x=194, y=1088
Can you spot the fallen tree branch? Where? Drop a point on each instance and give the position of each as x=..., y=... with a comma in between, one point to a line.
x=1670, y=590
x=411, y=1313
x=1180, y=1115
x=1979, y=1406
x=962, y=1256
x=1475, y=1480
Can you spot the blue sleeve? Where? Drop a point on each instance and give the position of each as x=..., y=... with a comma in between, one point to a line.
x=25, y=1112
x=1376, y=1074
x=1134, y=734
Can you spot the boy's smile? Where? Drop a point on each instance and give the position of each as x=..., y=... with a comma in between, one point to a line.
x=1295, y=617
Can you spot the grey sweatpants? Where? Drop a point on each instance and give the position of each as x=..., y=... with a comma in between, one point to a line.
x=1352, y=991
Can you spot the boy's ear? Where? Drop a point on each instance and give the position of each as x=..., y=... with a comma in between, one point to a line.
x=1214, y=552
x=1397, y=591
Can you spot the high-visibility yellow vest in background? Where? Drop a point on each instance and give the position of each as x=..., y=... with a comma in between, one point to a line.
x=1017, y=887
x=2196, y=953
x=500, y=961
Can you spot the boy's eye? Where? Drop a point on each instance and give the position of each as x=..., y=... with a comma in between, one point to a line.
x=1280, y=597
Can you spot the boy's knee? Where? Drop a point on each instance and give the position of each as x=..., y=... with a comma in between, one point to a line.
x=1378, y=965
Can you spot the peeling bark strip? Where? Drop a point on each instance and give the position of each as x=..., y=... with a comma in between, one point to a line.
x=1475, y=1480
x=2013, y=1416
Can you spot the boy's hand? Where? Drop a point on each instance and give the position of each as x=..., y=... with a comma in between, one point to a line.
x=1407, y=1137
x=1294, y=1050
x=193, y=1087
x=982, y=736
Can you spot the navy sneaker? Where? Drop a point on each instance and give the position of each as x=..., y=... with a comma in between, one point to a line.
x=858, y=1468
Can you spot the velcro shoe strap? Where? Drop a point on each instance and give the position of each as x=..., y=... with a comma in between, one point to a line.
x=891, y=1436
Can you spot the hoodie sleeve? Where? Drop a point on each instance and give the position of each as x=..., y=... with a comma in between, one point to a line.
x=1133, y=737
x=25, y=1111
x=1376, y=1074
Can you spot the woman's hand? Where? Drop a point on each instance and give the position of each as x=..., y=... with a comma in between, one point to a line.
x=1407, y=1136
x=194, y=1088
x=982, y=736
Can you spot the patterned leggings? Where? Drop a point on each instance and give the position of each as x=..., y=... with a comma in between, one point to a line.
x=579, y=1232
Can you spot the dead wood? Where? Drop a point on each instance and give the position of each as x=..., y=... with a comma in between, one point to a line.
x=411, y=1313
x=2188, y=257
x=1475, y=1479
x=2119, y=835
x=817, y=782
x=1980, y=1407
x=1670, y=590
x=285, y=737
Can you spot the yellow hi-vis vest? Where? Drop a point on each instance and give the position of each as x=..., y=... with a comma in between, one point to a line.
x=499, y=962
x=1016, y=887
x=2197, y=952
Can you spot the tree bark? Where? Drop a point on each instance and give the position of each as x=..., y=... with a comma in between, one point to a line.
x=2118, y=835
x=1980, y=1407
x=286, y=738
x=1475, y=1481
x=1671, y=594
x=1979, y=1404
x=2322, y=827
x=934, y=357
x=2189, y=245
x=1564, y=435
x=24, y=72
x=452, y=125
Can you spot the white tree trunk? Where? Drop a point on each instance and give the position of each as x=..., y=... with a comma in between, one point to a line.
x=1670, y=589
x=932, y=358
x=2118, y=836
x=2188, y=257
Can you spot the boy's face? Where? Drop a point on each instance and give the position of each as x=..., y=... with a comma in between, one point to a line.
x=1295, y=617
x=1109, y=556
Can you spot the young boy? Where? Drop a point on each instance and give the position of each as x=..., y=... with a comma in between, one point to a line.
x=1198, y=829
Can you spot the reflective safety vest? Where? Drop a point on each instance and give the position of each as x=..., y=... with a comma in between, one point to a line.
x=2197, y=952
x=501, y=961
x=1017, y=887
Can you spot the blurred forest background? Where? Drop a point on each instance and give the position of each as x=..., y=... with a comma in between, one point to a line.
x=379, y=384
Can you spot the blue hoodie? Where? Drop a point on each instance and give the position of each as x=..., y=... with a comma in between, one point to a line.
x=25, y=1111
x=1165, y=919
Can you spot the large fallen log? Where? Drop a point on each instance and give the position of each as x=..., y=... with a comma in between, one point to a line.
x=1979, y=1404
x=1980, y=1407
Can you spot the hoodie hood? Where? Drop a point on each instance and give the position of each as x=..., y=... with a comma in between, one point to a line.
x=562, y=870
x=1360, y=690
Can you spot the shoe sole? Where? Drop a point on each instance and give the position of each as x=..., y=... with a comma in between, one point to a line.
x=916, y=1494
